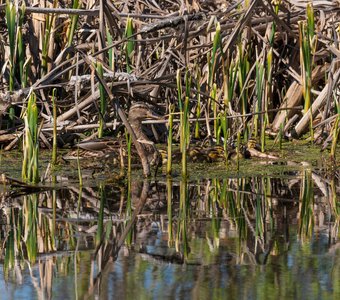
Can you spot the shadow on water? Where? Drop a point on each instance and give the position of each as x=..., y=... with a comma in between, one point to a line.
x=241, y=237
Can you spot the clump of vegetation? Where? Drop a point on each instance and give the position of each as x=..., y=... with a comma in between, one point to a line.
x=238, y=61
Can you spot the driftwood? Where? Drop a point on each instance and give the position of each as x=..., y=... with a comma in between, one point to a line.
x=293, y=97
x=302, y=125
x=320, y=101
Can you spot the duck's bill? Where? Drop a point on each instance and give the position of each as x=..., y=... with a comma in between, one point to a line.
x=98, y=144
x=153, y=116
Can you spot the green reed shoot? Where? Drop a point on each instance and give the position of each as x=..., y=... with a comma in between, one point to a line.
x=21, y=46
x=226, y=134
x=219, y=129
x=169, y=150
x=128, y=144
x=259, y=94
x=54, y=143
x=103, y=102
x=73, y=25
x=180, y=104
x=335, y=203
x=238, y=149
x=130, y=44
x=311, y=130
x=188, y=81
x=80, y=176
x=281, y=136
x=243, y=70
x=12, y=28
x=11, y=23
x=247, y=132
x=306, y=63
x=311, y=27
x=263, y=135
x=49, y=27
x=198, y=106
x=336, y=132
x=276, y=6
x=184, y=134
x=269, y=83
x=30, y=165
x=216, y=46
x=110, y=51
x=179, y=89
x=213, y=97
x=230, y=79
x=269, y=65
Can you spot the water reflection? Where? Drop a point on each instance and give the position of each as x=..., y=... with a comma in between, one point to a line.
x=254, y=237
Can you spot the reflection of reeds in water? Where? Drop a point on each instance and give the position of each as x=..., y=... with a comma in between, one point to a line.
x=100, y=222
x=213, y=199
x=10, y=245
x=30, y=233
x=244, y=214
x=128, y=212
x=181, y=241
x=169, y=211
x=306, y=210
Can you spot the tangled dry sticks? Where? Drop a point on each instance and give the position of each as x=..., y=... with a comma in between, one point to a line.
x=266, y=68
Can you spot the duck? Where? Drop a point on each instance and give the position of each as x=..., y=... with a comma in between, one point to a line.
x=210, y=154
x=110, y=147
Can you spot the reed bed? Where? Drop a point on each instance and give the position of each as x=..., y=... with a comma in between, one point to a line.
x=262, y=69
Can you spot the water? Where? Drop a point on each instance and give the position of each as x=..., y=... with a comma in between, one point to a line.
x=225, y=237
x=303, y=271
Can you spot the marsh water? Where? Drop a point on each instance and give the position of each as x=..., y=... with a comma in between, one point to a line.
x=256, y=231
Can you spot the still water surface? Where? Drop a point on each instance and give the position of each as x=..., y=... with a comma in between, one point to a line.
x=236, y=237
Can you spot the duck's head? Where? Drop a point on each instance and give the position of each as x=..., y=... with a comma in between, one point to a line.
x=140, y=112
